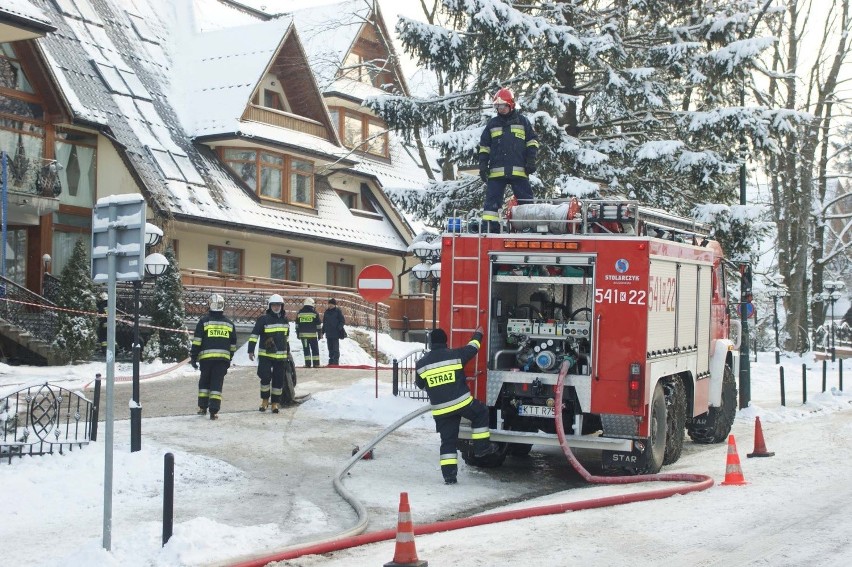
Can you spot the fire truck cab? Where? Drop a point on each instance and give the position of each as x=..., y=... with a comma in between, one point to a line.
x=631, y=300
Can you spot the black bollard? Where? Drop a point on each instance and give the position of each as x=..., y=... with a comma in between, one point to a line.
x=824, y=373
x=804, y=383
x=840, y=370
x=168, y=496
x=395, y=387
x=783, y=394
x=96, y=404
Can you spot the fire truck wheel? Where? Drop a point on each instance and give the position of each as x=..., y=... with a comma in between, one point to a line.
x=715, y=425
x=519, y=449
x=675, y=418
x=656, y=448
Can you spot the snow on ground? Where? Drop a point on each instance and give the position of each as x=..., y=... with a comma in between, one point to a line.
x=793, y=511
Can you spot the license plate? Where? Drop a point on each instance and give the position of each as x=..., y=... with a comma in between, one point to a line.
x=535, y=411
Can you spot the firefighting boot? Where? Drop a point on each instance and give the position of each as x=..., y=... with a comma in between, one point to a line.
x=493, y=227
x=486, y=450
x=201, y=411
x=213, y=416
x=274, y=407
x=263, y=405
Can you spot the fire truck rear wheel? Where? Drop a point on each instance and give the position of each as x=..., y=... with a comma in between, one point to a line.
x=719, y=420
x=492, y=461
x=675, y=419
x=656, y=448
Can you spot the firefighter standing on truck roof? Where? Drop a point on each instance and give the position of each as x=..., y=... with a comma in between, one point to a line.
x=272, y=331
x=213, y=348
x=507, y=152
x=441, y=373
x=307, y=329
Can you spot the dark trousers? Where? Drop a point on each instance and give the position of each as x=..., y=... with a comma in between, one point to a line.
x=447, y=427
x=271, y=372
x=496, y=188
x=310, y=346
x=210, y=384
x=333, y=350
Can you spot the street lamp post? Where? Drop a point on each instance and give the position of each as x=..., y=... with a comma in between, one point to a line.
x=832, y=294
x=429, y=253
x=155, y=265
x=775, y=293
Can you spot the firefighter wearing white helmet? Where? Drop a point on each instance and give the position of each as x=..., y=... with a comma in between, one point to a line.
x=270, y=336
x=213, y=346
x=308, y=323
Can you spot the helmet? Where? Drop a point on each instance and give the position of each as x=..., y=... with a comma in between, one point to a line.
x=275, y=298
x=505, y=96
x=309, y=301
x=217, y=302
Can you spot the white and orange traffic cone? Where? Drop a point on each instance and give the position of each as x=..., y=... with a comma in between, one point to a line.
x=733, y=470
x=405, y=554
x=759, y=443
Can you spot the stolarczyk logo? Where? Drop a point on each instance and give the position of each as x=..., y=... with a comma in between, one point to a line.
x=622, y=265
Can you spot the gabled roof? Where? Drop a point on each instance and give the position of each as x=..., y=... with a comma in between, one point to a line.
x=117, y=73
x=20, y=20
x=217, y=72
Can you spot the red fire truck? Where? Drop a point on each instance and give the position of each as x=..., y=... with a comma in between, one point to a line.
x=631, y=299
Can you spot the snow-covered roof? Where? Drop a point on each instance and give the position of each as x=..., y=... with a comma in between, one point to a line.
x=218, y=71
x=328, y=33
x=146, y=78
x=19, y=19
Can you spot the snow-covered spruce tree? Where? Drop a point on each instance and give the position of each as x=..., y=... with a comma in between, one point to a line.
x=639, y=98
x=169, y=312
x=76, y=337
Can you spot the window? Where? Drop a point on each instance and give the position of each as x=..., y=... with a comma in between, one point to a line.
x=16, y=255
x=11, y=74
x=24, y=145
x=349, y=199
x=272, y=99
x=361, y=131
x=70, y=224
x=77, y=153
x=282, y=177
x=342, y=275
x=225, y=260
x=286, y=268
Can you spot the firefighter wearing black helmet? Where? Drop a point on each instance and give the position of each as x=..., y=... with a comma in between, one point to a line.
x=213, y=347
x=508, y=149
x=441, y=373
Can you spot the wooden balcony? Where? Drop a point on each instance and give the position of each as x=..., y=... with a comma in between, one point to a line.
x=286, y=120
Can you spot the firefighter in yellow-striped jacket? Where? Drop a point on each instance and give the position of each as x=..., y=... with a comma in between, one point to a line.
x=308, y=324
x=213, y=347
x=271, y=336
x=441, y=373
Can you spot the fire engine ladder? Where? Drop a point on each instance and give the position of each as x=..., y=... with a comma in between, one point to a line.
x=461, y=323
x=640, y=220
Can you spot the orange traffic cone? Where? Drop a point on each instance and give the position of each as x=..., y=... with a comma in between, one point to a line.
x=733, y=471
x=759, y=443
x=405, y=554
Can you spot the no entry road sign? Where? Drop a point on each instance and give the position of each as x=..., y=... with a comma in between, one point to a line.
x=375, y=283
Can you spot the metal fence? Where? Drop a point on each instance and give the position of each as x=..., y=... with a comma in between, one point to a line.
x=45, y=419
x=403, y=376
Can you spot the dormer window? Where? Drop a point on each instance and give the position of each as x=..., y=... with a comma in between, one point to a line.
x=361, y=131
x=273, y=176
x=11, y=74
x=272, y=99
x=269, y=94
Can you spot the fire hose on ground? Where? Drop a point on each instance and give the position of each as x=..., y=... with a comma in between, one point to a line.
x=354, y=537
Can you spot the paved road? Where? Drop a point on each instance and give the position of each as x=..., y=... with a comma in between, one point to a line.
x=290, y=459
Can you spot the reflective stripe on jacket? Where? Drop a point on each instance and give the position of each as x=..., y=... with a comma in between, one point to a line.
x=215, y=338
x=441, y=373
x=271, y=335
x=507, y=146
x=307, y=323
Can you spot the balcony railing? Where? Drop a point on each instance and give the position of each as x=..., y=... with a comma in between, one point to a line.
x=285, y=120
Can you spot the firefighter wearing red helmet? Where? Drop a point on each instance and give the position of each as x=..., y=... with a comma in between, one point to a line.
x=507, y=153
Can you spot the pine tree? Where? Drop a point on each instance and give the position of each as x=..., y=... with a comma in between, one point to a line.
x=77, y=334
x=169, y=313
x=635, y=98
